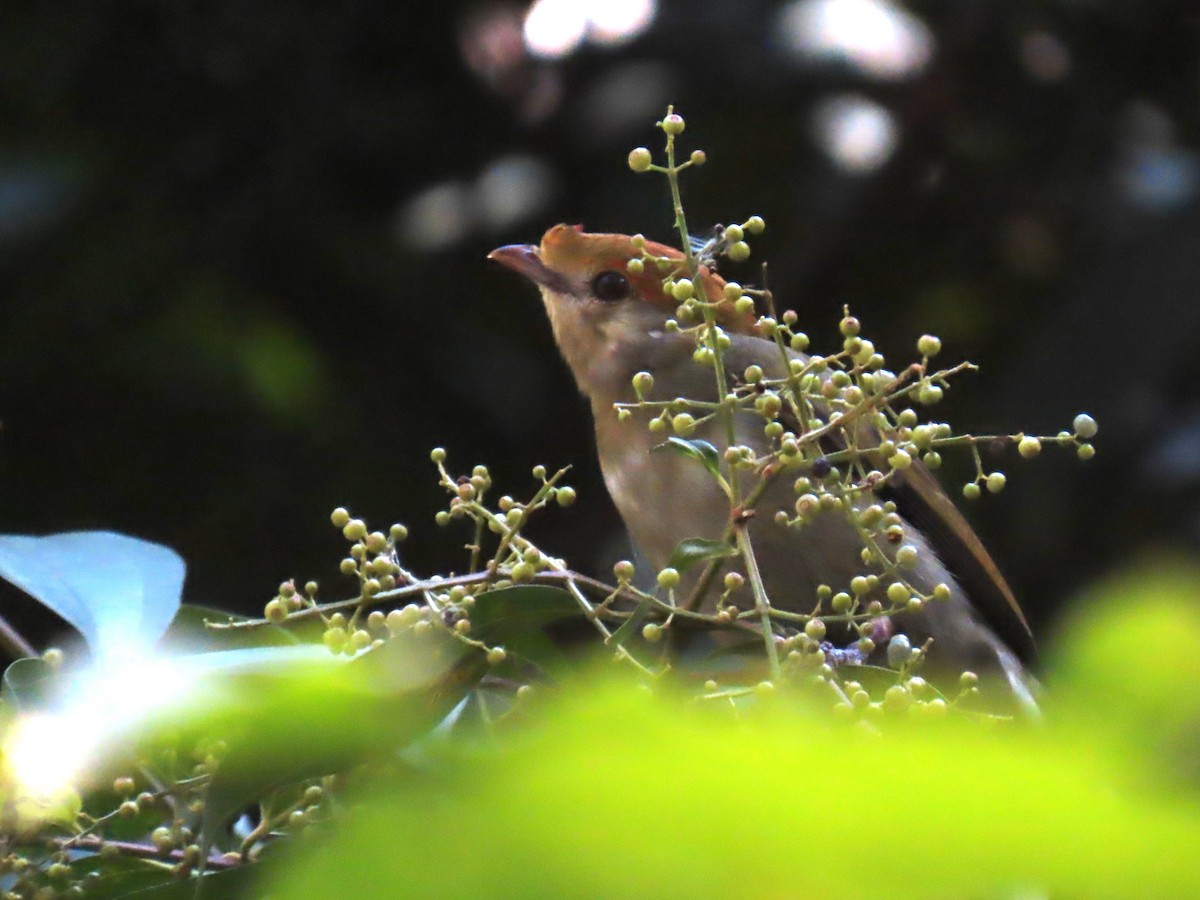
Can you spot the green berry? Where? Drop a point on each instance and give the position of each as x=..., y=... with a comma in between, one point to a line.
x=734, y=581
x=734, y=233
x=652, y=633
x=668, y=578
x=933, y=459
x=683, y=289
x=739, y=251
x=623, y=570
x=996, y=482
x=522, y=573
x=437, y=455
x=1085, y=452
x=683, y=424
x=673, y=124
x=635, y=267
x=849, y=326
x=929, y=394
x=907, y=556
x=643, y=382
x=929, y=346
x=755, y=225
x=698, y=158
x=971, y=491
x=565, y=496
x=941, y=592
x=897, y=592
x=1029, y=447
x=496, y=655
x=275, y=611
x=339, y=517
x=335, y=638
x=354, y=530
x=815, y=629
x=640, y=159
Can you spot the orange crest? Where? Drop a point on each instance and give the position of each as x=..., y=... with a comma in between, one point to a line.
x=572, y=251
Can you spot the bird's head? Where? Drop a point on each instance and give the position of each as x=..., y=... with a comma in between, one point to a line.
x=603, y=314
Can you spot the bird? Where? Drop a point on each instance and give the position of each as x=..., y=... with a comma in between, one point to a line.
x=610, y=322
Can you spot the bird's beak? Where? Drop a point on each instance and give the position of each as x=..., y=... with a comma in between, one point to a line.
x=526, y=260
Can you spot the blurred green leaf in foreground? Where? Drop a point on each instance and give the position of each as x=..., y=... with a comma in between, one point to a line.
x=617, y=791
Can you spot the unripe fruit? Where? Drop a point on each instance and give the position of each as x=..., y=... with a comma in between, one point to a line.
x=673, y=124
x=683, y=424
x=639, y=159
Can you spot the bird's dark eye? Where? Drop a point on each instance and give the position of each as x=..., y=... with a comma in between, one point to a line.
x=610, y=285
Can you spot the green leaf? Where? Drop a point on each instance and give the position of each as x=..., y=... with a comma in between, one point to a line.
x=1060, y=810
x=622, y=634
x=30, y=684
x=701, y=451
x=189, y=632
x=690, y=551
x=117, y=591
x=285, y=723
x=227, y=884
x=514, y=617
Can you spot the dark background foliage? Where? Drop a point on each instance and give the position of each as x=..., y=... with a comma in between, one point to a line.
x=242, y=274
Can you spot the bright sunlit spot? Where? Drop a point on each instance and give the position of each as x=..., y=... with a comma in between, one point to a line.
x=858, y=133
x=879, y=38
x=617, y=21
x=556, y=28
x=46, y=752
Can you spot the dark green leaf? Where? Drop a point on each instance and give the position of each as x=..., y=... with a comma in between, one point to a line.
x=285, y=723
x=117, y=591
x=622, y=634
x=701, y=451
x=693, y=550
x=514, y=617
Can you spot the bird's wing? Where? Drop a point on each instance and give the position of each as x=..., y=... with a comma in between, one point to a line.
x=920, y=500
